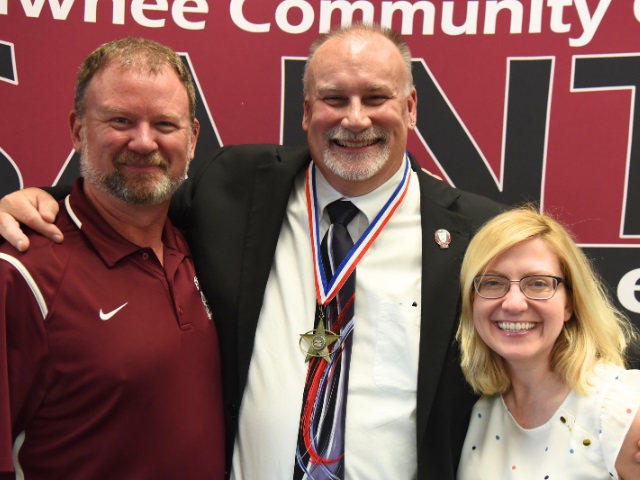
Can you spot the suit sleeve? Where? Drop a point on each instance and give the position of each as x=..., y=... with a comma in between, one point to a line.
x=59, y=192
x=181, y=202
x=23, y=351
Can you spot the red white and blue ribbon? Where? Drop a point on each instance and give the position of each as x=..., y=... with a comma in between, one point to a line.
x=325, y=290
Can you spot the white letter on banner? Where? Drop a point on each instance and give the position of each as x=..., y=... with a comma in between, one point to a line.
x=535, y=17
x=32, y=9
x=408, y=12
x=307, y=16
x=60, y=11
x=627, y=286
x=346, y=8
x=118, y=12
x=557, y=12
x=470, y=26
x=137, y=12
x=235, y=9
x=179, y=8
x=636, y=9
x=492, y=8
x=90, y=11
x=589, y=24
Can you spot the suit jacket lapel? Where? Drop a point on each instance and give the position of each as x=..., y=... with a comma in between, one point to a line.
x=271, y=190
x=440, y=288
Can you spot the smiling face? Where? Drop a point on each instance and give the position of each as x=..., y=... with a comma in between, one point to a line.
x=135, y=138
x=519, y=329
x=358, y=109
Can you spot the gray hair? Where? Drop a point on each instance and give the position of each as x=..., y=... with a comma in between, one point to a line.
x=361, y=30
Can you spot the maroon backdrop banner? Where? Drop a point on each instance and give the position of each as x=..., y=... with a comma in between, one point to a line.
x=518, y=100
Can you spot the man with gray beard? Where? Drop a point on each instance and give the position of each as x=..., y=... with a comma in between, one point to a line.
x=105, y=339
x=140, y=190
x=255, y=217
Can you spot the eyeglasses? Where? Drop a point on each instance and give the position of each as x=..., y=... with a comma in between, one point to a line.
x=535, y=287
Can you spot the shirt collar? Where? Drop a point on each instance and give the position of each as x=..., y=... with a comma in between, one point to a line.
x=369, y=204
x=108, y=243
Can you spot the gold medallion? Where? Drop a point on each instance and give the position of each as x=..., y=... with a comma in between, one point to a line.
x=316, y=343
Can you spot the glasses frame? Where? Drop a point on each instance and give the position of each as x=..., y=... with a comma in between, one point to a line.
x=476, y=281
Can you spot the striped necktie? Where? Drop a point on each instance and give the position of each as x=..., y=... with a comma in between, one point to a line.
x=320, y=450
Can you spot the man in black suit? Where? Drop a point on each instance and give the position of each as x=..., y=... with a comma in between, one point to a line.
x=254, y=215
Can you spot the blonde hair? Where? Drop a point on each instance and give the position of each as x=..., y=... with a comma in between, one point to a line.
x=597, y=330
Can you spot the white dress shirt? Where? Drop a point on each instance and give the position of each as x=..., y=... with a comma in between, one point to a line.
x=381, y=407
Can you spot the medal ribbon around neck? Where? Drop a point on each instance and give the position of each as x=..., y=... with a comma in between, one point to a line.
x=325, y=291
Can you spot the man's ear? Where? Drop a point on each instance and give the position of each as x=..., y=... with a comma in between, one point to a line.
x=306, y=115
x=412, y=108
x=76, y=126
x=195, y=131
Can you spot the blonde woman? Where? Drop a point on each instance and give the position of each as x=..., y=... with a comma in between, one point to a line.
x=545, y=347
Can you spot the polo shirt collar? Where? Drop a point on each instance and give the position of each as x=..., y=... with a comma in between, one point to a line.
x=110, y=245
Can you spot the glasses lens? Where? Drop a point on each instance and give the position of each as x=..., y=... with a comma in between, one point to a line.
x=491, y=286
x=539, y=287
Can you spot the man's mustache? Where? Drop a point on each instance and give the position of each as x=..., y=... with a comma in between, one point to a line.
x=153, y=160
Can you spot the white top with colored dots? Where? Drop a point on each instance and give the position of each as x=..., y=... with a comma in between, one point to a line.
x=581, y=441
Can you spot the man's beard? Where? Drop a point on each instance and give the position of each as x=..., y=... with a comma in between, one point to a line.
x=135, y=189
x=357, y=166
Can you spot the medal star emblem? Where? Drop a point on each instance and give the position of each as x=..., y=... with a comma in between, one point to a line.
x=316, y=343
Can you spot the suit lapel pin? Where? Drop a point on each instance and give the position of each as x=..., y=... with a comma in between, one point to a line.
x=442, y=238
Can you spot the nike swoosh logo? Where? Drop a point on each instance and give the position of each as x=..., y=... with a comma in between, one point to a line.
x=107, y=316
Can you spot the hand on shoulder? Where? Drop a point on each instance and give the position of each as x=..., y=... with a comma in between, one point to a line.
x=32, y=207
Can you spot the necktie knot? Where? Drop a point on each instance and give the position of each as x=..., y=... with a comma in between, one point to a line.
x=342, y=212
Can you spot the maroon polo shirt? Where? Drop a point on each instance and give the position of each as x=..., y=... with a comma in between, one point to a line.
x=109, y=363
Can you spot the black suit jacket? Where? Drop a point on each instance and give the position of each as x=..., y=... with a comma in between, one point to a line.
x=232, y=210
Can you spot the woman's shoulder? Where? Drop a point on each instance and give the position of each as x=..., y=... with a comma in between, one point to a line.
x=611, y=388
x=608, y=378
x=612, y=406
